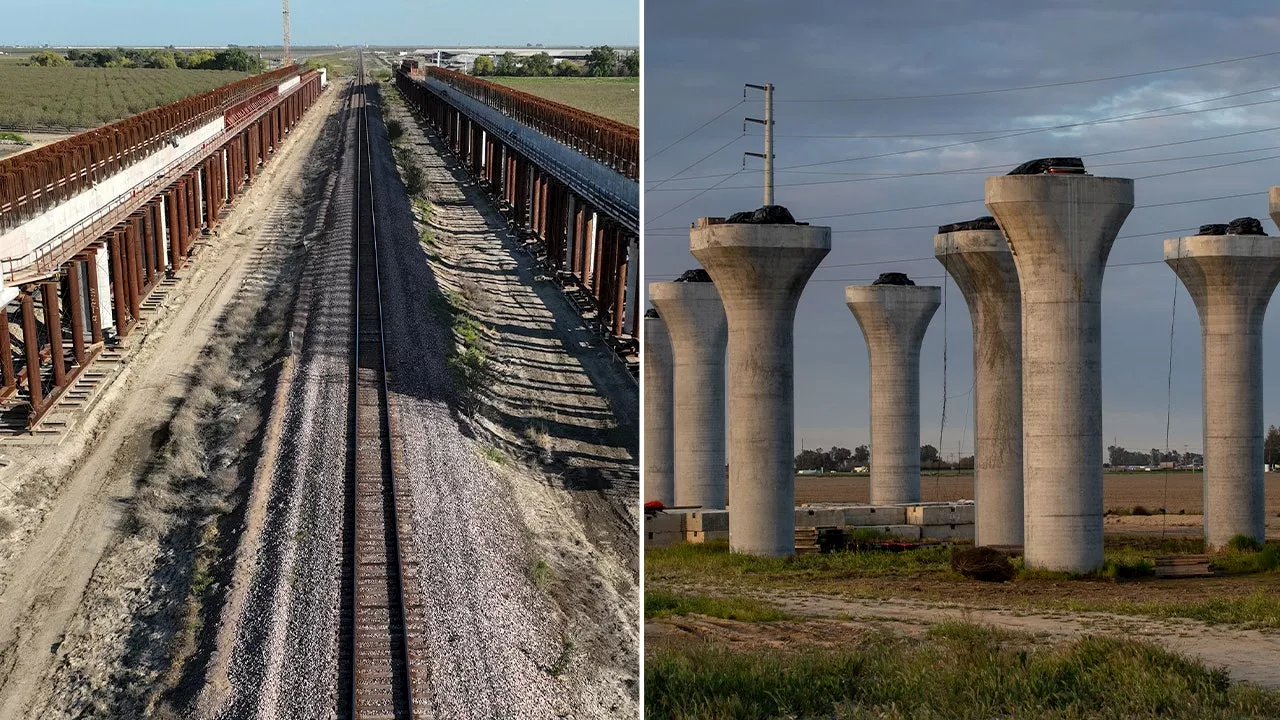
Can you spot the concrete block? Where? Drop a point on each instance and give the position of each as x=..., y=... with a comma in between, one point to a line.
x=860, y=515
x=940, y=514
x=819, y=517
x=707, y=521
x=902, y=532
x=664, y=522
x=701, y=536
x=958, y=531
x=662, y=539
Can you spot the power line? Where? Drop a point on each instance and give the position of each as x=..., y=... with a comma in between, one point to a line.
x=694, y=131
x=698, y=161
x=1041, y=86
x=670, y=210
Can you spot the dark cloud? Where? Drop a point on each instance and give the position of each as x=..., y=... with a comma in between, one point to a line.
x=699, y=54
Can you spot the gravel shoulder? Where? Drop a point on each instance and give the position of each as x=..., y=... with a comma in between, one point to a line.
x=524, y=504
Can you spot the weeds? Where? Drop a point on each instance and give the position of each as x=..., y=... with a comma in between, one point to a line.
x=660, y=604
x=395, y=130
x=957, y=671
x=494, y=455
x=540, y=574
x=1243, y=542
x=562, y=663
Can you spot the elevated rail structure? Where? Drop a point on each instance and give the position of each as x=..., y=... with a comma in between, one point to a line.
x=89, y=226
x=566, y=179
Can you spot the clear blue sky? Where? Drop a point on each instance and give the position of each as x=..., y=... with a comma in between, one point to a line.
x=319, y=22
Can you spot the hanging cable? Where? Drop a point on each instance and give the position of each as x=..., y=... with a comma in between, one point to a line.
x=694, y=131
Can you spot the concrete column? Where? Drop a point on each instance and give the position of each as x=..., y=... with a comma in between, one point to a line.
x=760, y=271
x=659, y=448
x=696, y=323
x=1060, y=229
x=983, y=268
x=894, y=319
x=102, y=266
x=1231, y=278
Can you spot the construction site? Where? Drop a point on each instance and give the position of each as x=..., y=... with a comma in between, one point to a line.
x=319, y=399
x=1027, y=576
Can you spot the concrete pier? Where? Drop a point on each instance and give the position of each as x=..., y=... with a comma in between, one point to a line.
x=659, y=478
x=1231, y=278
x=760, y=271
x=1060, y=228
x=699, y=332
x=894, y=319
x=983, y=268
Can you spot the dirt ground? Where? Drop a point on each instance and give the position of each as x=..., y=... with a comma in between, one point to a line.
x=119, y=525
x=36, y=140
x=1174, y=491
x=1248, y=655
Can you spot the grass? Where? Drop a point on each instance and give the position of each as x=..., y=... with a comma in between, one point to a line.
x=562, y=662
x=712, y=561
x=540, y=574
x=12, y=138
x=63, y=98
x=661, y=603
x=957, y=670
x=617, y=98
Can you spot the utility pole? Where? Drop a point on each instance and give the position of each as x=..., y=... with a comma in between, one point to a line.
x=284, y=9
x=768, y=137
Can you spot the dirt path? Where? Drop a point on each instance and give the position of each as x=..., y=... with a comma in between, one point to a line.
x=66, y=608
x=1249, y=655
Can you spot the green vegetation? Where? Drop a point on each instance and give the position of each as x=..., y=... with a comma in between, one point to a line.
x=337, y=64
x=562, y=663
x=66, y=98
x=713, y=562
x=603, y=61
x=13, y=138
x=957, y=671
x=1258, y=609
x=234, y=59
x=660, y=604
x=540, y=574
x=617, y=98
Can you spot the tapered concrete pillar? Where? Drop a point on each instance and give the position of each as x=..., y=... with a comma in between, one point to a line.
x=982, y=266
x=894, y=319
x=1061, y=228
x=1231, y=278
x=696, y=323
x=760, y=271
x=659, y=478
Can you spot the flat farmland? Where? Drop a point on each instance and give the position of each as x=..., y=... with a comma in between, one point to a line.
x=1180, y=493
x=72, y=98
x=617, y=98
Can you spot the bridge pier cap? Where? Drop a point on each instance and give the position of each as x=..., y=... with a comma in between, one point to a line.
x=980, y=263
x=659, y=483
x=1060, y=228
x=894, y=319
x=761, y=271
x=696, y=324
x=1231, y=278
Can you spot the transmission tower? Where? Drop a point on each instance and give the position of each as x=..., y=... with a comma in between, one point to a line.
x=284, y=11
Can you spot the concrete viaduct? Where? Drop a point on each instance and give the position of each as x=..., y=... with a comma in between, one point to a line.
x=91, y=225
x=567, y=181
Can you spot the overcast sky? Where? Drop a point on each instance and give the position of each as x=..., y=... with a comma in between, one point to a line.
x=822, y=55
x=319, y=22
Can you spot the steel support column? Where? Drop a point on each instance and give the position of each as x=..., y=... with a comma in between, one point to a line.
x=31, y=347
x=53, y=325
x=75, y=308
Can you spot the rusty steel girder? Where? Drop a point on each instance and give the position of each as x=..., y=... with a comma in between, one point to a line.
x=609, y=142
x=35, y=181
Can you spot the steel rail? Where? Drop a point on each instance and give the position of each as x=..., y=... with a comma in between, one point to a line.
x=377, y=690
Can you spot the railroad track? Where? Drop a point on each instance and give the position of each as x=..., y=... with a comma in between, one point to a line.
x=383, y=647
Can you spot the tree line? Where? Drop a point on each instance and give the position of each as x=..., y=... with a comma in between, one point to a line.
x=233, y=58
x=603, y=61
x=839, y=459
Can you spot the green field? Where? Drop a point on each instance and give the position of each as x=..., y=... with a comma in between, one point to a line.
x=70, y=98
x=613, y=97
